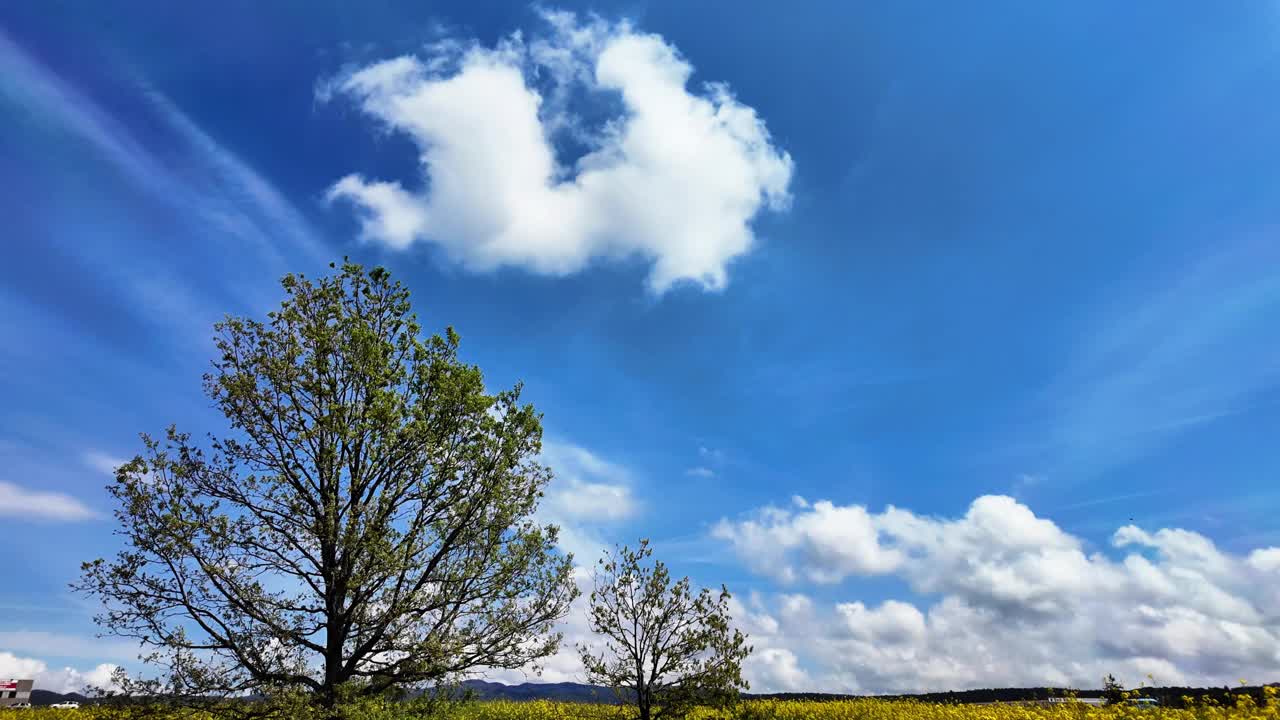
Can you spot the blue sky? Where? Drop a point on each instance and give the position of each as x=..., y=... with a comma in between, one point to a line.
x=999, y=278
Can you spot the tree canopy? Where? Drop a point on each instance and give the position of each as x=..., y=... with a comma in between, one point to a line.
x=667, y=648
x=366, y=524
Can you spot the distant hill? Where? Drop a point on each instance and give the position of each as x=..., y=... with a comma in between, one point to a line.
x=563, y=691
x=580, y=692
x=41, y=698
x=1169, y=696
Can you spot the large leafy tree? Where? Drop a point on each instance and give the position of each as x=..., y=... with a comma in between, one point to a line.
x=365, y=525
x=666, y=647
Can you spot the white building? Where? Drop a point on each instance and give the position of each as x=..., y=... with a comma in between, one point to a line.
x=14, y=691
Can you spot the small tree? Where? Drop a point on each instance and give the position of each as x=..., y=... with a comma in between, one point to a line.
x=366, y=526
x=1112, y=691
x=667, y=648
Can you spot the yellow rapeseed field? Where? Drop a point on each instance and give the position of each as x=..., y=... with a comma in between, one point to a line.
x=1244, y=709
x=870, y=709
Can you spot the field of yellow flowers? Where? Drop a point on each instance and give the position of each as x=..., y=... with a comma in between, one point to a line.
x=1245, y=708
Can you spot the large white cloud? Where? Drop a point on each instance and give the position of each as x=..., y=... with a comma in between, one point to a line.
x=1009, y=598
x=673, y=176
x=60, y=680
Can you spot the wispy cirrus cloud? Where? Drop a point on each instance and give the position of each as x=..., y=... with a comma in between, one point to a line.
x=1181, y=349
x=17, y=502
x=102, y=462
x=217, y=185
x=246, y=203
x=222, y=206
x=63, y=645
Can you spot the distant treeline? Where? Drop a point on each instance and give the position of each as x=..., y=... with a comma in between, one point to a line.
x=1172, y=696
x=984, y=695
x=1168, y=696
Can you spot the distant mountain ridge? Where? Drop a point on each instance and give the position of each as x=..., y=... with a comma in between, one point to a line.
x=562, y=691
x=581, y=692
x=40, y=698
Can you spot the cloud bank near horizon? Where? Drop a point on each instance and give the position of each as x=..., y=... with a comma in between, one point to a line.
x=1001, y=597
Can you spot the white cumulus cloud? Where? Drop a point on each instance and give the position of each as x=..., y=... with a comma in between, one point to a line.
x=1002, y=597
x=672, y=175
x=588, y=498
x=1266, y=560
x=586, y=488
x=59, y=680
x=822, y=543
